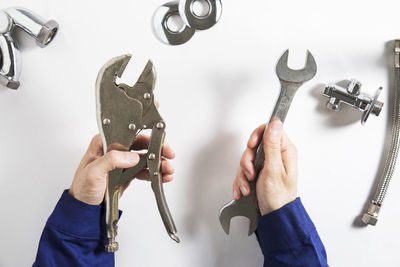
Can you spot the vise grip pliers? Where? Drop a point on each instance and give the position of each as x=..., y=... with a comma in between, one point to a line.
x=122, y=112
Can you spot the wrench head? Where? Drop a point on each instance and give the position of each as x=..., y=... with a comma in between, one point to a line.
x=296, y=76
x=245, y=207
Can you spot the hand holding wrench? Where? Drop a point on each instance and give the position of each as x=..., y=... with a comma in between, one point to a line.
x=290, y=81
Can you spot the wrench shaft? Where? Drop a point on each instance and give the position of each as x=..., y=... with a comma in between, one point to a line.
x=290, y=81
x=281, y=109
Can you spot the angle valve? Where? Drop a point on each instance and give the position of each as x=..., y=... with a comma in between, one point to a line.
x=35, y=26
x=353, y=97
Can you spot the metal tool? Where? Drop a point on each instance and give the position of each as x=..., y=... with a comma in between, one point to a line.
x=162, y=29
x=353, y=97
x=10, y=61
x=371, y=215
x=290, y=81
x=200, y=22
x=122, y=112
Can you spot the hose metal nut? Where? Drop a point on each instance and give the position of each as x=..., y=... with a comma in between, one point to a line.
x=47, y=33
x=371, y=216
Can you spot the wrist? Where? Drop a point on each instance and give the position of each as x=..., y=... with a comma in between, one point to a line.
x=266, y=207
x=85, y=197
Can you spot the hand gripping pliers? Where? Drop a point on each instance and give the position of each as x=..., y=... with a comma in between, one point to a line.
x=122, y=112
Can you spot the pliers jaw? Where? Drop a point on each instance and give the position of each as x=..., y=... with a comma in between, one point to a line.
x=122, y=112
x=116, y=112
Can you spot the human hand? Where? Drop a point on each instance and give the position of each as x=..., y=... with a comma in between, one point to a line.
x=90, y=180
x=277, y=181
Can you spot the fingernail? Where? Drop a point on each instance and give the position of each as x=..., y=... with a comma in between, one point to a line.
x=235, y=194
x=244, y=189
x=276, y=128
x=132, y=157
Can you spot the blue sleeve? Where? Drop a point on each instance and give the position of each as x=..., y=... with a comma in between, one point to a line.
x=288, y=238
x=73, y=236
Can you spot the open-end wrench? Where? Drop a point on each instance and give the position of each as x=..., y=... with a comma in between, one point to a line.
x=290, y=81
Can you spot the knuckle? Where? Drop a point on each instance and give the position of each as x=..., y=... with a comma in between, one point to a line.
x=241, y=181
x=112, y=157
x=270, y=170
x=90, y=174
x=96, y=140
x=272, y=145
x=243, y=161
x=236, y=182
x=92, y=157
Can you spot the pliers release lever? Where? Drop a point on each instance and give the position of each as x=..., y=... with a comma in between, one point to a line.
x=122, y=112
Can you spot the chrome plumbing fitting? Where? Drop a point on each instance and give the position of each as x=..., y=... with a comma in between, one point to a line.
x=10, y=60
x=353, y=97
x=190, y=20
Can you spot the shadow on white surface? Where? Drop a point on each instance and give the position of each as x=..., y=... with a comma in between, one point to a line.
x=215, y=165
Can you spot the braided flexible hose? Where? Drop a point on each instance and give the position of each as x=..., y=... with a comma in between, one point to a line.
x=371, y=216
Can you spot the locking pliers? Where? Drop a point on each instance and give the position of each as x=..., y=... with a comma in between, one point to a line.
x=122, y=112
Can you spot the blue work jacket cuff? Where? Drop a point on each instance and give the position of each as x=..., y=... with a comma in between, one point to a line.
x=284, y=228
x=75, y=218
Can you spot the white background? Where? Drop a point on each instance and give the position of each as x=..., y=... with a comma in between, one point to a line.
x=214, y=91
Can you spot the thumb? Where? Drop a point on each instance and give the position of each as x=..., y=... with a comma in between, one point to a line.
x=115, y=159
x=272, y=145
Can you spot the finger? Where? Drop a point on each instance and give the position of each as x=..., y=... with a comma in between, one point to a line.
x=272, y=146
x=247, y=163
x=156, y=103
x=144, y=175
x=141, y=142
x=113, y=160
x=166, y=170
x=94, y=151
x=256, y=137
x=168, y=178
x=167, y=151
x=237, y=194
x=289, y=155
x=166, y=167
x=242, y=183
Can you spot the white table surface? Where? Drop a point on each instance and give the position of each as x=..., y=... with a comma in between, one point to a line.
x=213, y=91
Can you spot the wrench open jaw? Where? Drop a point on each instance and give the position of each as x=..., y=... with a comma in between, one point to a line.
x=290, y=80
x=122, y=112
x=296, y=76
